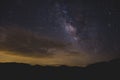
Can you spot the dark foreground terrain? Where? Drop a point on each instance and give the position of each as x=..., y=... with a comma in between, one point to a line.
x=99, y=71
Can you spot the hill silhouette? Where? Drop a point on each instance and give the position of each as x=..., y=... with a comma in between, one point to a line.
x=99, y=71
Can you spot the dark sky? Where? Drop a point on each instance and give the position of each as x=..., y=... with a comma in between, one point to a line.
x=79, y=31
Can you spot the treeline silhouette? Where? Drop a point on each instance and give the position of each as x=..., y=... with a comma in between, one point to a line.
x=99, y=71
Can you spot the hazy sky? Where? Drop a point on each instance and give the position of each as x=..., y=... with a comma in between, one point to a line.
x=66, y=32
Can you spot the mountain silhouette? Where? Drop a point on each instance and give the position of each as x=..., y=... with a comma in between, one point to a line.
x=99, y=71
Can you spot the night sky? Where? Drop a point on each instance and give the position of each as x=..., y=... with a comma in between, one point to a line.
x=59, y=32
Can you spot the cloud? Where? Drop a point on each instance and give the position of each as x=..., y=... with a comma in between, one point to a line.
x=20, y=45
x=24, y=42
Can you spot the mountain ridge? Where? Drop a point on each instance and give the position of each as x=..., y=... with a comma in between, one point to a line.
x=99, y=71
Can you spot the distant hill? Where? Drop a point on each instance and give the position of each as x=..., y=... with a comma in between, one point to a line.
x=99, y=71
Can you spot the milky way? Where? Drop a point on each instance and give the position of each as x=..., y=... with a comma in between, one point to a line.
x=65, y=20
